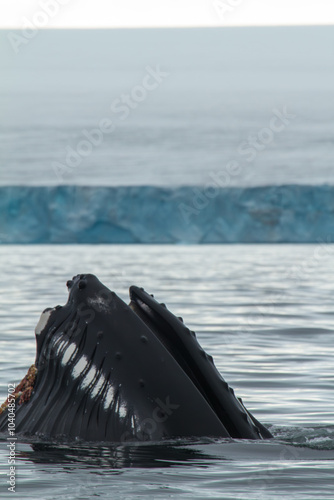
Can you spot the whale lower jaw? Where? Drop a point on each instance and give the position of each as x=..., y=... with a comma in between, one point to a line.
x=198, y=365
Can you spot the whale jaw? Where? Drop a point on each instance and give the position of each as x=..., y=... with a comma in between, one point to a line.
x=108, y=371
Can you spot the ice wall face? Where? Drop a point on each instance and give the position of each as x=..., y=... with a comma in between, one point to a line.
x=76, y=214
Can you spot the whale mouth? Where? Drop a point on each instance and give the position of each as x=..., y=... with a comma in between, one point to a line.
x=108, y=371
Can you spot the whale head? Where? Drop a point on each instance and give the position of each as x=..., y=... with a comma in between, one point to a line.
x=113, y=372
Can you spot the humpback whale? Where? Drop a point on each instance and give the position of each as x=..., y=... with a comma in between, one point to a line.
x=112, y=372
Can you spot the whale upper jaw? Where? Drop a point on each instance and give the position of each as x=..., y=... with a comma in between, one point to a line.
x=108, y=371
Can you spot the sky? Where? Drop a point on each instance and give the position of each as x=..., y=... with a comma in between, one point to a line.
x=163, y=13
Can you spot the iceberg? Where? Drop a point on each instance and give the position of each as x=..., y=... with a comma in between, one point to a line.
x=149, y=214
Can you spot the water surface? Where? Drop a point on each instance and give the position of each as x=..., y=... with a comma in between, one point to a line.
x=264, y=312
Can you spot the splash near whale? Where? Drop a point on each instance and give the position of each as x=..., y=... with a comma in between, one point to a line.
x=111, y=372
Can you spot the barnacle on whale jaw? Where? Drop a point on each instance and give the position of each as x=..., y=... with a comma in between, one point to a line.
x=24, y=389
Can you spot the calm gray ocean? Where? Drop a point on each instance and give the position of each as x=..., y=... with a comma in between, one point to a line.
x=183, y=104
x=265, y=313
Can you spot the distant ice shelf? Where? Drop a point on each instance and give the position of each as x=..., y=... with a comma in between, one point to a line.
x=80, y=214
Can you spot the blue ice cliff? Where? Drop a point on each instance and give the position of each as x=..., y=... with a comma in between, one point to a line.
x=139, y=214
